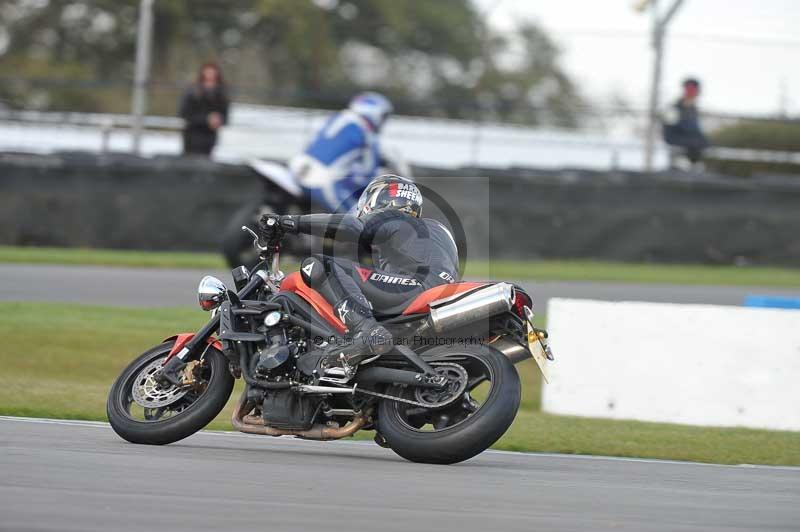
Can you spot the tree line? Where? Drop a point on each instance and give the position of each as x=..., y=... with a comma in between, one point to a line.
x=434, y=58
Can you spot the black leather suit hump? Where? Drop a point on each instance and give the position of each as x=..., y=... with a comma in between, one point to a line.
x=399, y=257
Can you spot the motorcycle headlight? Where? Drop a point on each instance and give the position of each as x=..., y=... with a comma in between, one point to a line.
x=211, y=292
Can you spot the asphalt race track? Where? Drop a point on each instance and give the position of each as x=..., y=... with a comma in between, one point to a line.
x=79, y=476
x=153, y=287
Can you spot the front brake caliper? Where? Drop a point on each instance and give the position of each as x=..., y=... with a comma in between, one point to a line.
x=188, y=377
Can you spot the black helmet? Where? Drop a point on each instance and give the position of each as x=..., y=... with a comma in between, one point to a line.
x=391, y=192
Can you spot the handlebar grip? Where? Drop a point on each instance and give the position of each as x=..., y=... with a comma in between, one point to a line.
x=256, y=281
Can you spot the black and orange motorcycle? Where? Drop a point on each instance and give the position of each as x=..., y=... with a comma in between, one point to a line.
x=445, y=393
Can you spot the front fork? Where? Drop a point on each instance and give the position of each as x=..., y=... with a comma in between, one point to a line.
x=170, y=373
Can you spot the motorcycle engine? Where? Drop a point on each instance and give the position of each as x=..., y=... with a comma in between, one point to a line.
x=273, y=357
x=285, y=409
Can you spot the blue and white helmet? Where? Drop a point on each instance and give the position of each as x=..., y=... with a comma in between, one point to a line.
x=372, y=106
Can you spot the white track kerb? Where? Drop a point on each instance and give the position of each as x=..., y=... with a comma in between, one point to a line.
x=690, y=364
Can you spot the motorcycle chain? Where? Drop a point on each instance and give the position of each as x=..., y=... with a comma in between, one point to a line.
x=440, y=404
x=401, y=400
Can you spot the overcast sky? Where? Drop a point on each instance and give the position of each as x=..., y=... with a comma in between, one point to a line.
x=746, y=52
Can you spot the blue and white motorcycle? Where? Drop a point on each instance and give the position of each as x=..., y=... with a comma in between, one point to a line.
x=329, y=176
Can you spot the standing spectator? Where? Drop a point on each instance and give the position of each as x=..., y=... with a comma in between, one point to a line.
x=681, y=125
x=204, y=107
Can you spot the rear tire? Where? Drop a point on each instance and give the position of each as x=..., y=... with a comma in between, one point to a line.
x=466, y=438
x=194, y=417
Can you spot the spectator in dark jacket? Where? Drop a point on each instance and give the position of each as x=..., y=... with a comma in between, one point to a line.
x=204, y=107
x=682, y=123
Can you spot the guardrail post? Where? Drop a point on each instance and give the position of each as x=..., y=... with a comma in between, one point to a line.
x=476, y=143
x=143, y=46
x=105, y=135
x=659, y=30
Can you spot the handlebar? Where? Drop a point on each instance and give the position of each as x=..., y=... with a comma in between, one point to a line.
x=269, y=253
x=256, y=239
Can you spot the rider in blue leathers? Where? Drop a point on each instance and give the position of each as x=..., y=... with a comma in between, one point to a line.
x=332, y=171
x=345, y=155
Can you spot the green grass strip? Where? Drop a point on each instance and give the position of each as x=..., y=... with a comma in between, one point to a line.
x=550, y=270
x=59, y=360
x=111, y=257
x=578, y=270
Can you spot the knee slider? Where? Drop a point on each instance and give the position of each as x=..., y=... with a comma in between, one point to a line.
x=313, y=272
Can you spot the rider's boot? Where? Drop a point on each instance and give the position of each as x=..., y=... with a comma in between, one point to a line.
x=368, y=337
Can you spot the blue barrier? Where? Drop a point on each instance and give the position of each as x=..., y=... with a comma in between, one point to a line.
x=772, y=302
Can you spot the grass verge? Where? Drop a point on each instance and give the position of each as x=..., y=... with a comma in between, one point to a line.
x=557, y=270
x=110, y=257
x=59, y=360
x=499, y=269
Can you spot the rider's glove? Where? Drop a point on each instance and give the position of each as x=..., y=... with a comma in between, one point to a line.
x=274, y=224
x=269, y=224
x=289, y=223
x=270, y=230
x=269, y=220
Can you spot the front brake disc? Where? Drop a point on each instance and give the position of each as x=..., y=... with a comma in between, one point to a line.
x=149, y=393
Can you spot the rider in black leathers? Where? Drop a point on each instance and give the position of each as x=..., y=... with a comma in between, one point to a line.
x=400, y=255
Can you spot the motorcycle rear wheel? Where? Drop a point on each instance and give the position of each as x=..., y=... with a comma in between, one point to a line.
x=464, y=428
x=175, y=413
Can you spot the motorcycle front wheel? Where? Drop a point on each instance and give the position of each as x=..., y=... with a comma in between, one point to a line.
x=482, y=408
x=141, y=410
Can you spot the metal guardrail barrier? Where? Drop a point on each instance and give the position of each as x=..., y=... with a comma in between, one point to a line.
x=104, y=122
x=475, y=137
x=89, y=119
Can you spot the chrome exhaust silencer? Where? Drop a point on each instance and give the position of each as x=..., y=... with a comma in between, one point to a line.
x=459, y=310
